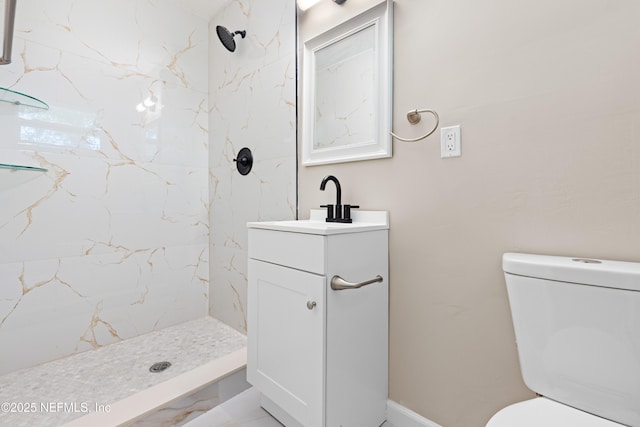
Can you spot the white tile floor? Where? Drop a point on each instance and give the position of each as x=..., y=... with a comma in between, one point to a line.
x=242, y=410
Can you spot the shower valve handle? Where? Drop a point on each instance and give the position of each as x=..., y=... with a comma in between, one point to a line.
x=244, y=161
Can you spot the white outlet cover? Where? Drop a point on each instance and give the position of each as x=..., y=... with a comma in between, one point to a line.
x=450, y=142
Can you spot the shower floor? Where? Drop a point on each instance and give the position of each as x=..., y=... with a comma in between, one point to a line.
x=116, y=379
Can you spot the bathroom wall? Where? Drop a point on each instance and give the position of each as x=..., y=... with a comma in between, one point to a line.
x=253, y=104
x=546, y=93
x=112, y=241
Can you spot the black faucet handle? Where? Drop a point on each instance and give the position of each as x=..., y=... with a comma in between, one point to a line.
x=330, y=216
x=347, y=213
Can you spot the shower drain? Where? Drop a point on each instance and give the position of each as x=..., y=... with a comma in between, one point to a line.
x=159, y=367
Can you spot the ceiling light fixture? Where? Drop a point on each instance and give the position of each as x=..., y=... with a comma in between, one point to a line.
x=306, y=4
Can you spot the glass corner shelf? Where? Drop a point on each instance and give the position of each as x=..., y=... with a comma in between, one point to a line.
x=21, y=168
x=12, y=97
x=12, y=176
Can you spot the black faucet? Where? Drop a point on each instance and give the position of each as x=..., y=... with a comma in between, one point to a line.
x=338, y=217
x=338, y=207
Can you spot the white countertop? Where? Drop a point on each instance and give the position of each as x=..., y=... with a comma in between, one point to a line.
x=362, y=221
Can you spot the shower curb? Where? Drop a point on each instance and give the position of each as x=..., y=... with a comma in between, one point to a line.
x=139, y=405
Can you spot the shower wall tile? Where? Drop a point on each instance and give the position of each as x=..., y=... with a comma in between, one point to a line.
x=95, y=208
x=113, y=240
x=135, y=37
x=253, y=104
x=228, y=296
x=85, y=302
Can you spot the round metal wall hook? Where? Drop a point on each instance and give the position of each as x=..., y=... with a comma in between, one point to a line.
x=244, y=161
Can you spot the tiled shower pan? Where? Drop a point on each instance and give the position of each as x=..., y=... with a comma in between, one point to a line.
x=113, y=385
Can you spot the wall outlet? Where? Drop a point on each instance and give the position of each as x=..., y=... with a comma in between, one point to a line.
x=450, y=141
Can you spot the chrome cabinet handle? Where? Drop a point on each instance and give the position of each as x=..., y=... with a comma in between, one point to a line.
x=339, y=284
x=311, y=305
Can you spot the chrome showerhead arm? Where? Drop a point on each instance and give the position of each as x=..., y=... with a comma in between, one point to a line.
x=9, y=21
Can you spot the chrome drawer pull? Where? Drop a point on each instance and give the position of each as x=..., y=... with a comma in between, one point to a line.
x=338, y=283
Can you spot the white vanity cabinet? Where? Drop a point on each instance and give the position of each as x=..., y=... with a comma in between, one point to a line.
x=319, y=356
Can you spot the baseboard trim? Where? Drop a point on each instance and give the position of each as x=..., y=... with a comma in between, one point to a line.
x=399, y=416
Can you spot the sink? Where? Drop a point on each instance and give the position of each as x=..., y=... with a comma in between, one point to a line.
x=316, y=224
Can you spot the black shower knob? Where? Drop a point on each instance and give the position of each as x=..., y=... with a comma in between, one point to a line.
x=244, y=161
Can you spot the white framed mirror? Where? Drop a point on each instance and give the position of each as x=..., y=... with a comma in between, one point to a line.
x=346, y=89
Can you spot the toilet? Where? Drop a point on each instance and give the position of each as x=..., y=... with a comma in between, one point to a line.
x=577, y=327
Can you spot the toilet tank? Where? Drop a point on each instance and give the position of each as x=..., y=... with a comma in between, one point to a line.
x=577, y=327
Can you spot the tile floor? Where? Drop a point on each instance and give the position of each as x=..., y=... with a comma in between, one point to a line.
x=242, y=410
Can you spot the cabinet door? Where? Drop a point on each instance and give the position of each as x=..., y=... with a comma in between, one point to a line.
x=286, y=339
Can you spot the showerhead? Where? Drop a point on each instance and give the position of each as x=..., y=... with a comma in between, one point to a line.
x=226, y=37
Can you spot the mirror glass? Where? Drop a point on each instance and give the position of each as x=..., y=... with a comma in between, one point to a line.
x=346, y=85
x=344, y=75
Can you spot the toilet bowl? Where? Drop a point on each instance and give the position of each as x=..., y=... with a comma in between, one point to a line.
x=577, y=328
x=543, y=412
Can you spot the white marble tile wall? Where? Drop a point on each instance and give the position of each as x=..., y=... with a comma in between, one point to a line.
x=112, y=241
x=253, y=104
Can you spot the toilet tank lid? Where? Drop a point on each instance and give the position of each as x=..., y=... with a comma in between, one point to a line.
x=605, y=273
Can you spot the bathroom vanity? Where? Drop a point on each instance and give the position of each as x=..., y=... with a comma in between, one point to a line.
x=318, y=319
